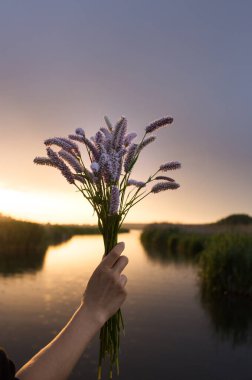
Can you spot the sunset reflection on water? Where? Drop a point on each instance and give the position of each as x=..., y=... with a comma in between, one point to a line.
x=165, y=323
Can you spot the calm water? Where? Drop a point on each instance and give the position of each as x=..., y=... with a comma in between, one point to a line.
x=171, y=333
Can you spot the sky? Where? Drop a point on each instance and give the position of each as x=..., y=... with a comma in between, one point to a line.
x=66, y=64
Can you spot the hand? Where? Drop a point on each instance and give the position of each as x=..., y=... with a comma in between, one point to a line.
x=105, y=291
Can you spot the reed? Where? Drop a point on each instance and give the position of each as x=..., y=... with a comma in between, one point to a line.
x=226, y=264
x=173, y=242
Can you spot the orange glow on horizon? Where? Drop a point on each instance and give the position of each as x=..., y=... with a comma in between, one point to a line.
x=44, y=207
x=70, y=208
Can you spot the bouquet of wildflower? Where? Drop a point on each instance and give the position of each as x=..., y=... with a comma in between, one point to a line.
x=107, y=185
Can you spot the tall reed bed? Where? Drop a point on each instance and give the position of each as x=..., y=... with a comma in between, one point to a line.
x=226, y=264
x=224, y=255
x=171, y=242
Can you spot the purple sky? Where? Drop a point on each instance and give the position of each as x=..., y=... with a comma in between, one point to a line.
x=66, y=64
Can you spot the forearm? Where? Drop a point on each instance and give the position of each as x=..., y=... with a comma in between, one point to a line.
x=56, y=360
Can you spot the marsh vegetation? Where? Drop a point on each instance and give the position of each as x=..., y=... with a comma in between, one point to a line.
x=222, y=250
x=23, y=244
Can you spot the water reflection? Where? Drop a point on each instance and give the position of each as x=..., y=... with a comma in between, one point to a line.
x=22, y=262
x=166, y=258
x=29, y=260
x=166, y=322
x=230, y=317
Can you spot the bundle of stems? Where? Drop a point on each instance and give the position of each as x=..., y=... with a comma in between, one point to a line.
x=107, y=185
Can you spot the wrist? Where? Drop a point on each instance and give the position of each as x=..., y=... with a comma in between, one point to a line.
x=96, y=318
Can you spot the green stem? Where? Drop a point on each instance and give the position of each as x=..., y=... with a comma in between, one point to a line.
x=110, y=332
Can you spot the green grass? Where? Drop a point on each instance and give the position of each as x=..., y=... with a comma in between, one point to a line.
x=226, y=264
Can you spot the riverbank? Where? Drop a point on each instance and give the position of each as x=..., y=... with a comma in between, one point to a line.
x=222, y=250
x=23, y=244
x=24, y=237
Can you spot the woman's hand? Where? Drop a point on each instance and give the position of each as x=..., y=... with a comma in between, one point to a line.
x=105, y=291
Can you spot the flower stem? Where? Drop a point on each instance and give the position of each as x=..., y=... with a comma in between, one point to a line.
x=110, y=332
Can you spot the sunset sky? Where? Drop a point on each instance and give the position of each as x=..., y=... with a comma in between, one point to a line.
x=66, y=64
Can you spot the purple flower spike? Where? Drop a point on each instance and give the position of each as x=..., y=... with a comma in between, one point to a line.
x=119, y=133
x=60, y=164
x=136, y=183
x=99, y=137
x=114, y=200
x=79, y=178
x=95, y=167
x=68, y=157
x=80, y=131
x=107, y=171
x=129, y=138
x=79, y=138
x=172, y=165
x=99, y=141
x=71, y=143
x=129, y=157
x=92, y=149
x=147, y=142
x=161, y=186
x=43, y=161
x=105, y=168
x=62, y=143
x=102, y=160
x=106, y=133
x=158, y=123
x=162, y=177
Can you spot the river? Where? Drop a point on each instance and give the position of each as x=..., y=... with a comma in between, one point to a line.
x=170, y=332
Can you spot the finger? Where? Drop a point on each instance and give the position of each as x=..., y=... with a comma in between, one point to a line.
x=120, y=264
x=113, y=255
x=123, y=279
